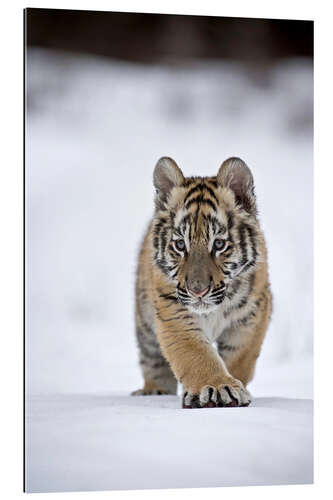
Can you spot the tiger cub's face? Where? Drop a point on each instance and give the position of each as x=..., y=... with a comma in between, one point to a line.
x=205, y=231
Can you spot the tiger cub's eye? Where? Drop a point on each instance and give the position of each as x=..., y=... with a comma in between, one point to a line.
x=219, y=244
x=180, y=245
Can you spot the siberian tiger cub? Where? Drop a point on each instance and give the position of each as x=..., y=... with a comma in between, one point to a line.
x=202, y=279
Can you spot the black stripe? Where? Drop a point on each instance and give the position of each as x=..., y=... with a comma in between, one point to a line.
x=243, y=300
x=211, y=192
x=253, y=245
x=203, y=201
x=168, y=296
x=172, y=268
x=174, y=318
x=242, y=242
x=182, y=225
x=173, y=251
x=251, y=282
x=230, y=219
x=207, y=232
x=184, y=220
x=218, y=289
x=163, y=240
x=262, y=296
x=158, y=225
x=252, y=262
x=198, y=187
x=196, y=217
x=155, y=242
x=245, y=319
x=192, y=330
x=190, y=235
x=214, y=225
x=197, y=199
x=213, y=182
x=230, y=265
x=227, y=252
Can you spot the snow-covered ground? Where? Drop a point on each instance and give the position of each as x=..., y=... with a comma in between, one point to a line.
x=95, y=129
x=99, y=441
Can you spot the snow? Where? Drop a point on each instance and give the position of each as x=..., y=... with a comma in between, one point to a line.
x=95, y=129
x=110, y=442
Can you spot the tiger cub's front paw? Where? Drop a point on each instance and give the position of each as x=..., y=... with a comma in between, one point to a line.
x=226, y=395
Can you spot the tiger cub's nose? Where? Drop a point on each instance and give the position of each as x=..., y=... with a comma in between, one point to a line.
x=197, y=292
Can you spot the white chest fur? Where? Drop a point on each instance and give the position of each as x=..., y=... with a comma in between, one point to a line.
x=212, y=324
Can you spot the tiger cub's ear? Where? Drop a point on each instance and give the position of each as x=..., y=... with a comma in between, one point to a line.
x=236, y=175
x=167, y=175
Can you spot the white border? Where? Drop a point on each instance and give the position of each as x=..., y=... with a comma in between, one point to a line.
x=11, y=184
x=284, y=9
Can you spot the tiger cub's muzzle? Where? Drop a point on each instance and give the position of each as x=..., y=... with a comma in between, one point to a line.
x=202, y=297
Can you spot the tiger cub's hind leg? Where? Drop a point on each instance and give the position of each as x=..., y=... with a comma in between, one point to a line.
x=158, y=376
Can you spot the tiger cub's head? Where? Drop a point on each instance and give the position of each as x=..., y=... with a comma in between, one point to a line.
x=205, y=231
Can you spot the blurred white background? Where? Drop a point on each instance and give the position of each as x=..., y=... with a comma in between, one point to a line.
x=95, y=128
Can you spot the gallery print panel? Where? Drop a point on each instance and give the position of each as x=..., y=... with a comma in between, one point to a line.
x=168, y=251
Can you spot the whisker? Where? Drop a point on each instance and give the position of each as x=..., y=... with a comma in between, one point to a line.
x=220, y=295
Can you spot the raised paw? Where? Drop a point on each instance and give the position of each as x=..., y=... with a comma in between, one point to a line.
x=225, y=395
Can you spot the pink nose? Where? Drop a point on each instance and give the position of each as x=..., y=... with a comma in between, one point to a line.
x=200, y=293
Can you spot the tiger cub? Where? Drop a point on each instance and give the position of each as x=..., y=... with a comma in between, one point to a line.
x=202, y=279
